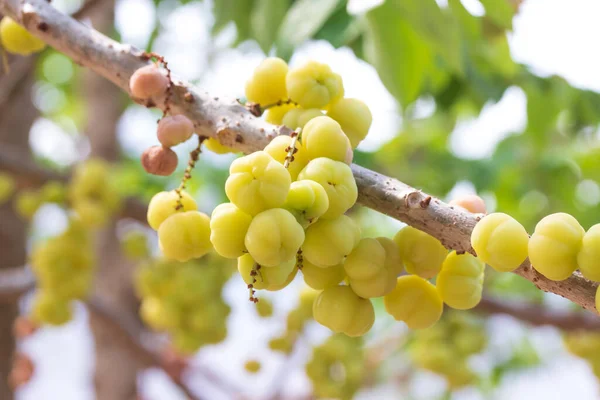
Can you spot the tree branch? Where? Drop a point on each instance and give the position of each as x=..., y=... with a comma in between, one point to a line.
x=537, y=315
x=30, y=174
x=14, y=282
x=234, y=126
x=22, y=66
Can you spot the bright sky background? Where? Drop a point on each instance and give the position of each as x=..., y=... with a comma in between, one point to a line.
x=551, y=36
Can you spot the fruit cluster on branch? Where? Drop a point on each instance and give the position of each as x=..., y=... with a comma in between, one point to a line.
x=234, y=127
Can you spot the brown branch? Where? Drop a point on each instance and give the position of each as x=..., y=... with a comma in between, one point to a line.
x=14, y=282
x=537, y=315
x=234, y=126
x=21, y=67
x=30, y=174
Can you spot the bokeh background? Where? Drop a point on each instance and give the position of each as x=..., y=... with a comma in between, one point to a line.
x=495, y=97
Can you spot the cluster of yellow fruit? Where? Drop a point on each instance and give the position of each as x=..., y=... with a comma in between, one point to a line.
x=184, y=300
x=288, y=201
x=92, y=193
x=17, y=40
x=416, y=301
x=294, y=97
x=287, y=213
x=64, y=270
x=63, y=265
x=183, y=231
x=445, y=348
x=337, y=367
x=558, y=246
x=28, y=201
x=585, y=345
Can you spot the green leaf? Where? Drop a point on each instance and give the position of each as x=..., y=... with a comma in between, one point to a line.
x=500, y=12
x=236, y=11
x=470, y=24
x=340, y=29
x=399, y=54
x=439, y=29
x=265, y=21
x=302, y=21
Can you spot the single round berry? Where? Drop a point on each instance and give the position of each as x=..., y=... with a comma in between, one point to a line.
x=328, y=241
x=148, y=82
x=500, y=241
x=471, y=202
x=341, y=310
x=307, y=200
x=185, y=235
x=173, y=130
x=164, y=204
x=323, y=137
x=337, y=180
x=460, y=282
x=554, y=246
x=159, y=160
x=421, y=253
x=228, y=228
x=354, y=117
x=588, y=258
x=314, y=85
x=274, y=237
x=257, y=182
x=17, y=40
x=414, y=301
x=268, y=278
x=267, y=84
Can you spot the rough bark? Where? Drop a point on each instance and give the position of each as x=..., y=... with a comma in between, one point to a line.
x=16, y=117
x=228, y=121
